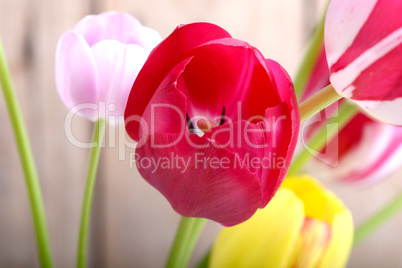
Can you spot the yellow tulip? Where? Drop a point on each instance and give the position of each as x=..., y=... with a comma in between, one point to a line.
x=304, y=225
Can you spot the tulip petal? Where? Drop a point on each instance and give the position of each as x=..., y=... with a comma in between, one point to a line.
x=382, y=155
x=286, y=92
x=364, y=49
x=384, y=111
x=354, y=27
x=340, y=244
x=274, y=140
x=310, y=247
x=146, y=37
x=117, y=65
x=272, y=237
x=108, y=25
x=240, y=72
x=294, y=239
x=200, y=188
x=164, y=57
x=73, y=59
x=342, y=14
x=319, y=76
x=355, y=144
x=263, y=147
x=319, y=204
x=199, y=182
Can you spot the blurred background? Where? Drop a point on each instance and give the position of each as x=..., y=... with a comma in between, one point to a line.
x=132, y=224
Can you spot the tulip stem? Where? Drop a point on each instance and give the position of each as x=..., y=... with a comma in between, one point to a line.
x=327, y=132
x=310, y=58
x=318, y=102
x=97, y=137
x=186, y=237
x=374, y=222
x=27, y=162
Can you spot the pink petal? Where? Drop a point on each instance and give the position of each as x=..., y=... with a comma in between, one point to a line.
x=108, y=25
x=117, y=66
x=165, y=56
x=146, y=37
x=73, y=59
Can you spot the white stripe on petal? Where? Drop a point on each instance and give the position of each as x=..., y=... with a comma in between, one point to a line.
x=348, y=92
x=345, y=77
x=344, y=20
x=374, y=141
x=385, y=111
x=393, y=162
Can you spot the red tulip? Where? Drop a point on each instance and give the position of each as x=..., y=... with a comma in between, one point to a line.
x=362, y=140
x=216, y=123
x=363, y=39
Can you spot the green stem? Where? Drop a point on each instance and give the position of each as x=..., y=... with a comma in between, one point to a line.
x=372, y=224
x=318, y=102
x=328, y=131
x=97, y=137
x=309, y=59
x=186, y=237
x=27, y=162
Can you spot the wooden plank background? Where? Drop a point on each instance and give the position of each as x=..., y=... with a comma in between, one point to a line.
x=132, y=224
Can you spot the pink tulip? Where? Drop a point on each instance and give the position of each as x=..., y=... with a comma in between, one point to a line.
x=221, y=120
x=98, y=61
x=366, y=150
x=364, y=50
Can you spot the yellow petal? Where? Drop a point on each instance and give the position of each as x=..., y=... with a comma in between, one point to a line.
x=311, y=245
x=265, y=240
x=323, y=205
x=339, y=248
x=318, y=202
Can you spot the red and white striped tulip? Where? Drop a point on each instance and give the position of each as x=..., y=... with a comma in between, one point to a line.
x=363, y=39
x=367, y=152
x=362, y=140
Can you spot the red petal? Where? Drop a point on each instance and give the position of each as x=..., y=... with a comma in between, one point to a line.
x=265, y=148
x=228, y=195
x=163, y=58
x=227, y=73
x=166, y=111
